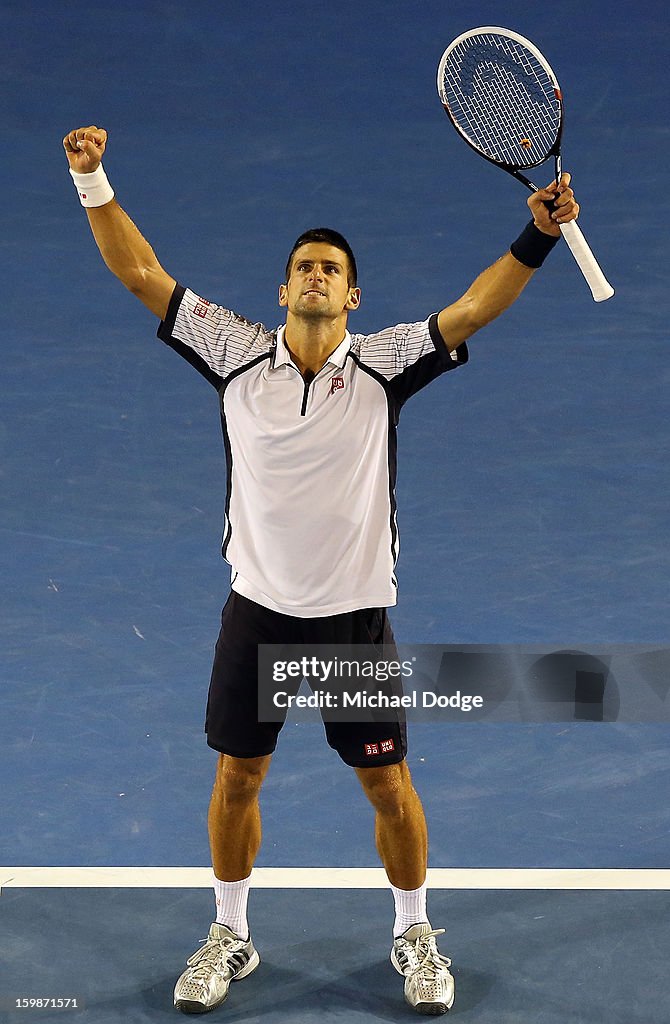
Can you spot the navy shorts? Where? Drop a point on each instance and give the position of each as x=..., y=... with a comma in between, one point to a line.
x=232, y=724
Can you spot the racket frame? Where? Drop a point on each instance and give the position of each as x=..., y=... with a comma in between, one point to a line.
x=513, y=169
x=600, y=287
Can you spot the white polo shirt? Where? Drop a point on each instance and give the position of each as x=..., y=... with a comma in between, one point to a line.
x=310, y=518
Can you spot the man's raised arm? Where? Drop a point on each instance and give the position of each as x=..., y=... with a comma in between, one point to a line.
x=125, y=251
x=501, y=284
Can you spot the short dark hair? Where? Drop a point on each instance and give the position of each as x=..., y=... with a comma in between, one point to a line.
x=331, y=238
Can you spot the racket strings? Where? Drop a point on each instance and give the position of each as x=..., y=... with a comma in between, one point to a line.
x=502, y=99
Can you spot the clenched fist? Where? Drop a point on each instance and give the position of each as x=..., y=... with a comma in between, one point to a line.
x=565, y=207
x=84, y=148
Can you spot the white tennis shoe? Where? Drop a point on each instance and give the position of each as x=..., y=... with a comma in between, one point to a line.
x=429, y=987
x=223, y=958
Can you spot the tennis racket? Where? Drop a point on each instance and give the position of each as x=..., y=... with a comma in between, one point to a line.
x=505, y=101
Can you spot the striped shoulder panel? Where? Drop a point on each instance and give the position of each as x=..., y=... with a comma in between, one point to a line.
x=214, y=339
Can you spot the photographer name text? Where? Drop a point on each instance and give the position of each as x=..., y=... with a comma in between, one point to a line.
x=377, y=699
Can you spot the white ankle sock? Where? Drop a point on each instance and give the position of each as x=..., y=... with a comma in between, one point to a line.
x=410, y=908
x=231, y=905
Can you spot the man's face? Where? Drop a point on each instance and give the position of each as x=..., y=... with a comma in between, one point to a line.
x=318, y=286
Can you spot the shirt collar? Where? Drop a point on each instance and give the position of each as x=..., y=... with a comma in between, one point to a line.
x=283, y=356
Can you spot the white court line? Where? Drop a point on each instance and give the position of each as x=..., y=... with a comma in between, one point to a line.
x=334, y=878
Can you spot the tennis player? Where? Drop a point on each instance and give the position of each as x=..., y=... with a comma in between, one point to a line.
x=309, y=414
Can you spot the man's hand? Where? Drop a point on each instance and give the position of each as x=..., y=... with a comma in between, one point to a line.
x=567, y=208
x=84, y=148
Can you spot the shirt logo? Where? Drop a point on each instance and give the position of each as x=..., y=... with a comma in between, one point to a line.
x=335, y=384
x=201, y=309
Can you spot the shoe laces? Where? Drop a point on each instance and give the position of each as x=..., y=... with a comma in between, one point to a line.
x=210, y=955
x=429, y=958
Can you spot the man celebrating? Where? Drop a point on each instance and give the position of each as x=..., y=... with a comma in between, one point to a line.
x=309, y=415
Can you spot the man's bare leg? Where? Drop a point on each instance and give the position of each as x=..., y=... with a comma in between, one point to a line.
x=400, y=825
x=234, y=815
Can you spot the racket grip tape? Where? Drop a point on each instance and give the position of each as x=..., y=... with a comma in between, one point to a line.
x=600, y=287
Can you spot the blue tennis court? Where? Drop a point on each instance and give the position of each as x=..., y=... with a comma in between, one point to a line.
x=532, y=496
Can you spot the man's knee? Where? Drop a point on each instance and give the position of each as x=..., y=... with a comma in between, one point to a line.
x=388, y=789
x=239, y=779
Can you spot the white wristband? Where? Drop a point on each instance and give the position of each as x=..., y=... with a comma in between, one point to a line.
x=93, y=188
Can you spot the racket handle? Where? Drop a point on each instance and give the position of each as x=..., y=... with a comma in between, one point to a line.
x=600, y=287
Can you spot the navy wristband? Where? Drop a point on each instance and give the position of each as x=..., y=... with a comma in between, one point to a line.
x=532, y=246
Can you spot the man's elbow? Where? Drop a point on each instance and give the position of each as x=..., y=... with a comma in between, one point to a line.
x=153, y=287
x=473, y=315
x=140, y=281
x=459, y=321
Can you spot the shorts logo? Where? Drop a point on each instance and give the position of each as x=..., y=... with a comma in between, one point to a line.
x=384, y=747
x=336, y=383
